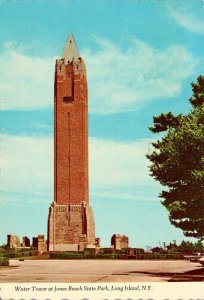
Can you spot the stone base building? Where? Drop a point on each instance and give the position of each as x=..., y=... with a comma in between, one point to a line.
x=26, y=242
x=13, y=241
x=39, y=242
x=119, y=242
x=70, y=227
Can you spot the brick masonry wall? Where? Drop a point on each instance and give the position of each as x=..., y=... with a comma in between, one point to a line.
x=13, y=241
x=67, y=224
x=90, y=226
x=26, y=241
x=119, y=241
x=41, y=243
x=71, y=133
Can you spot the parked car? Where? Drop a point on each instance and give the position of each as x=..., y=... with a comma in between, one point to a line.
x=201, y=261
x=195, y=257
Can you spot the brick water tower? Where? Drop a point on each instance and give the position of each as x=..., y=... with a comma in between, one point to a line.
x=70, y=221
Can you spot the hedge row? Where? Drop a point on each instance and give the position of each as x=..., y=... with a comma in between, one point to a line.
x=78, y=255
x=3, y=261
x=18, y=254
x=65, y=255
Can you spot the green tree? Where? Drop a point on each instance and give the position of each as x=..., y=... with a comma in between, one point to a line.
x=186, y=247
x=156, y=249
x=172, y=247
x=199, y=247
x=177, y=162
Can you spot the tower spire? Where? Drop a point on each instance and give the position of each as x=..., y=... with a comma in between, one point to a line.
x=70, y=51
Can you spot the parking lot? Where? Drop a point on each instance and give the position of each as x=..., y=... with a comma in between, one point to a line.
x=94, y=270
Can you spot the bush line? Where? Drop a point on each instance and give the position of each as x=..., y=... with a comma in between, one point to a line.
x=78, y=255
x=18, y=254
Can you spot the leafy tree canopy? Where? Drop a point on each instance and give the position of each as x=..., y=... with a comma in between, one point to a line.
x=177, y=162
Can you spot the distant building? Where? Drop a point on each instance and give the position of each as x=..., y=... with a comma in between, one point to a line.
x=39, y=242
x=13, y=241
x=26, y=242
x=119, y=242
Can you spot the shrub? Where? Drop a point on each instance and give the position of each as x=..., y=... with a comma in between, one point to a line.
x=33, y=253
x=3, y=261
x=89, y=251
x=106, y=250
x=24, y=254
x=140, y=250
x=66, y=255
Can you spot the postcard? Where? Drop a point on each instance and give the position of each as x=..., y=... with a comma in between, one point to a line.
x=101, y=149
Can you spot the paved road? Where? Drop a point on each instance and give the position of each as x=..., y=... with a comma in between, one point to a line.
x=93, y=270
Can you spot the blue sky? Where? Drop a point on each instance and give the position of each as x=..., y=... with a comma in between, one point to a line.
x=141, y=58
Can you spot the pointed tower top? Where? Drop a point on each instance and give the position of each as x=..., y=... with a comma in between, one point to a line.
x=70, y=51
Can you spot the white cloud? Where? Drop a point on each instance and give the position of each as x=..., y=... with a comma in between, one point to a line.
x=118, y=80
x=26, y=164
x=119, y=162
x=121, y=81
x=187, y=20
x=119, y=169
x=116, y=169
x=25, y=82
